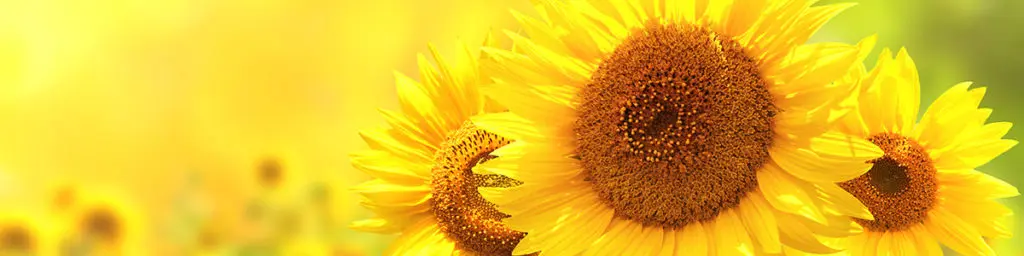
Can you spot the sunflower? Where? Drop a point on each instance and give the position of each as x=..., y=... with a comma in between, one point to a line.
x=22, y=233
x=100, y=223
x=924, y=190
x=669, y=127
x=424, y=187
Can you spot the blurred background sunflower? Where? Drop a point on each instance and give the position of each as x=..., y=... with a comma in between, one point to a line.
x=178, y=111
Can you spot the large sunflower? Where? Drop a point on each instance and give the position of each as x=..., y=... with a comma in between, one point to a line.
x=424, y=188
x=670, y=126
x=924, y=190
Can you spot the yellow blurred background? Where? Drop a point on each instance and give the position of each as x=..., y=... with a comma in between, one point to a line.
x=223, y=127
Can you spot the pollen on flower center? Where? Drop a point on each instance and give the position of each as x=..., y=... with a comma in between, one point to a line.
x=901, y=186
x=674, y=125
x=102, y=224
x=462, y=213
x=15, y=237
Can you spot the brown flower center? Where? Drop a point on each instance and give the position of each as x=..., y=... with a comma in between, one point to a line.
x=269, y=172
x=674, y=125
x=102, y=224
x=469, y=220
x=901, y=186
x=14, y=237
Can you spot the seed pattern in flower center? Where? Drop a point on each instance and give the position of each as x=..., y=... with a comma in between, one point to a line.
x=901, y=186
x=674, y=125
x=463, y=214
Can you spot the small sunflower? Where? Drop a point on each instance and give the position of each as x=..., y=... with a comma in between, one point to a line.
x=424, y=186
x=101, y=223
x=22, y=233
x=668, y=126
x=925, y=190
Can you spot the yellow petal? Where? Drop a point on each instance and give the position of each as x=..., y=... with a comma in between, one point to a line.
x=384, y=166
x=730, y=236
x=386, y=193
x=424, y=238
x=587, y=220
x=975, y=185
x=693, y=239
x=924, y=241
x=885, y=244
x=670, y=246
x=904, y=243
x=941, y=117
x=841, y=145
x=385, y=140
x=683, y=12
x=613, y=242
x=418, y=104
x=794, y=233
x=759, y=218
x=909, y=91
x=809, y=166
x=508, y=125
x=974, y=155
x=648, y=243
x=813, y=66
x=842, y=202
x=787, y=194
x=376, y=225
x=741, y=17
x=955, y=233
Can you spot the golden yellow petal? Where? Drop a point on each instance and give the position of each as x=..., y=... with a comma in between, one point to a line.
x=418, y=104
x=842, y=202
x=525, y=103
x=384, y=166
x=730, y=238
x=423, y=238
x=924, y=241
x=944, y=117
x=508, y=125
x=684, y=11
x=648, y=242
x=810, y=166
x=856, y=149
x=816, y=65
x=670, y=246
x=885, y=244
x=793, y=233
x=586, y=220
x=759, y=218
x=386, y=193
x=975, y=185
x=908, y=91
x=973, y=155
x=567, y=69
x=385, y=140
x=613, y=242
x=541, y=163
x=741, y=16
x=800, y=123
x=955, y=233
x=533, y=212
x=694, y=239
x=787, y=194
x=410, y=132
